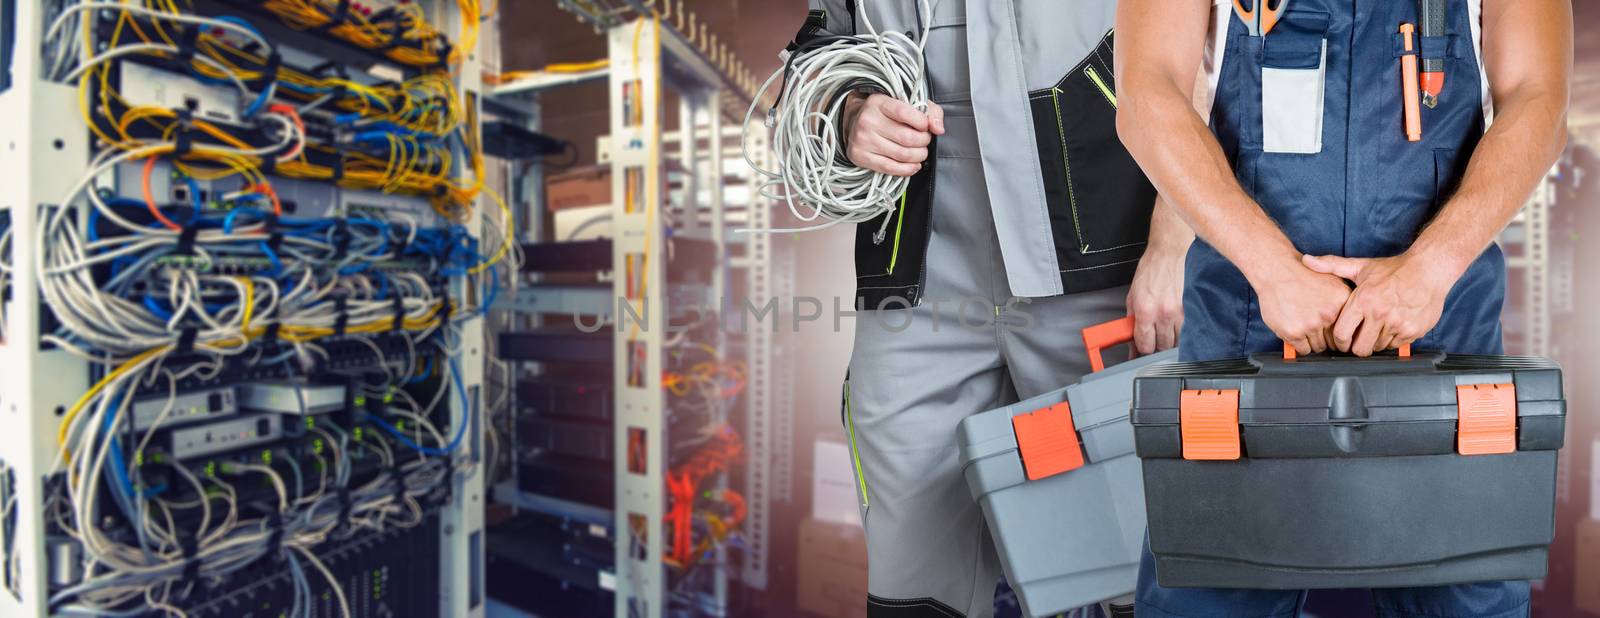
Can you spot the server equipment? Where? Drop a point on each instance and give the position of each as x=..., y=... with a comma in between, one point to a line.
x=247, y=257
x=292, y=398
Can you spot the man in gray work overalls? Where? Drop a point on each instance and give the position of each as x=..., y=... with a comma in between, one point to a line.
x=1316, y=174
x=1025, y=222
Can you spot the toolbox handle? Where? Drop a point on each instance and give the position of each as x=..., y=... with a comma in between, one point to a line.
x=1289, y=353
x=1102, y=336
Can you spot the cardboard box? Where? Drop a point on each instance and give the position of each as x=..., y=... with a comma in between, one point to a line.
x=585, y=186
x=832, y=570
x=833, y=484
x=1586, y=595
x=582, y=223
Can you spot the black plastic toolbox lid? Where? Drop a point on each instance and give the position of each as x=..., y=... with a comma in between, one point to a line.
x=1341, y=406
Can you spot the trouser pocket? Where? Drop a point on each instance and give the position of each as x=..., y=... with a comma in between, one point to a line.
x=1294, y=61
x=1099, y=200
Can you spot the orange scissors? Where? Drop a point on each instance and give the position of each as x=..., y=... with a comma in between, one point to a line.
x=1262, y=16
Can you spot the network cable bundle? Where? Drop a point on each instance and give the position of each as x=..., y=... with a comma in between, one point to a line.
x=813, y=174
x=267, y=268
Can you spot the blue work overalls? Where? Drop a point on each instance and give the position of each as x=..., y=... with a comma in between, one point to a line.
x=1311, y=117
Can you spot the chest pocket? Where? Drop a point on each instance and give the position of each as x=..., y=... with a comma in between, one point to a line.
x=1099, y=200
x=1294, y=61
x=949, y=70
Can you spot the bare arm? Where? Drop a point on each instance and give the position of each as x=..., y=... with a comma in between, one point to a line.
x=1160, y=44
x=1527, y=54
x=1155, y=299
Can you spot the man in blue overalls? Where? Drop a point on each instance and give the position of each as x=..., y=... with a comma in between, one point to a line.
x=1320, y=223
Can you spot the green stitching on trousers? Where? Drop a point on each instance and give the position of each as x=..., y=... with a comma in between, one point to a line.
x=855, y=453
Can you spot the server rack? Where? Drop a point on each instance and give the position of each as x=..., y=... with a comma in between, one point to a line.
x=45, y=147
x=668, y=202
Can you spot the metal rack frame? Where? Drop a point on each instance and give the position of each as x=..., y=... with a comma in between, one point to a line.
x=673, y=180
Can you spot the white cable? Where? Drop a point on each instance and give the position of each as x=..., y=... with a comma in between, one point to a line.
x=61, y=20
x=816, y=179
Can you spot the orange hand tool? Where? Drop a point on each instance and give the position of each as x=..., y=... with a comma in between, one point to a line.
x=1409, y=90
x=1262, y=16
x=1431, y=20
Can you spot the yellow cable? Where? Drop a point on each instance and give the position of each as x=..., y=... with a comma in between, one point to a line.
x=249, y=302
x=66, y=421
x=577, y=67
x=650, y=182
x=510, y=233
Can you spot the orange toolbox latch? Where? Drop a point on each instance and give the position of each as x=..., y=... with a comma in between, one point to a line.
x=1209, y=423
x=1047, y=441
x=1486, y=419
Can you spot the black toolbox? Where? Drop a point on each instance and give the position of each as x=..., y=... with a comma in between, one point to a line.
x=1343, y=472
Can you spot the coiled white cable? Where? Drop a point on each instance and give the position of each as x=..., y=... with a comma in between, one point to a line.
x=817, y=180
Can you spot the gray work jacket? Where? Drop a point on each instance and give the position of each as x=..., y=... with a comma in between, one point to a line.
x=1070, y=207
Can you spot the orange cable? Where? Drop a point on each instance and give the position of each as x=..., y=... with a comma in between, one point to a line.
x=150, y=198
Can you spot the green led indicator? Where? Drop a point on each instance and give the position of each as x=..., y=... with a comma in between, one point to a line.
x=389, y=396
x=401, y=425
x=316, y=446
x=311, y=422
x=361, y=400
x=266, y=457
x=211, y=469
x=358, y=434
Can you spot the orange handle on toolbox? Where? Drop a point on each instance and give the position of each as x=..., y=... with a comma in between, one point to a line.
x=1289, y=353
x=1102, y=336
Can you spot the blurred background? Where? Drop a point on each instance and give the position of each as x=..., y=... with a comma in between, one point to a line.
x=750, y=422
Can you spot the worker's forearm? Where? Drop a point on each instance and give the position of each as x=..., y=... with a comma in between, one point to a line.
x=1182, y=158
x=1168, y=231
x=1526, y=138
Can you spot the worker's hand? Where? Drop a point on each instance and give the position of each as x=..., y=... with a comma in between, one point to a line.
x=889, y=135
x=1300, y=305
x=1155, y=300
x=1397, y=300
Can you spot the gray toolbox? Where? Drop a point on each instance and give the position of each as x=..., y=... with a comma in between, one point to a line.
x=1059, y=485
x=1343, y=472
